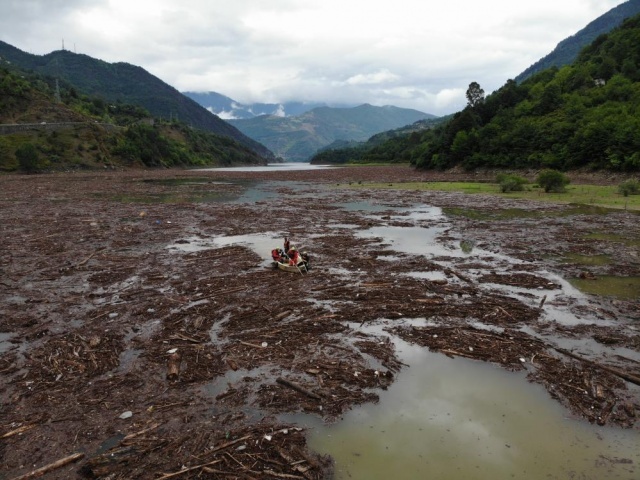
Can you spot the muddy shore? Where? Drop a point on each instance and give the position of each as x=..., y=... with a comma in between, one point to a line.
x=122, y=307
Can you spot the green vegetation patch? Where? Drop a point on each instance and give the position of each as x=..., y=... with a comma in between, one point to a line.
x=615, y=238
x=504, y=214
x=591, y=196
x=587, y=260
x=627, y=288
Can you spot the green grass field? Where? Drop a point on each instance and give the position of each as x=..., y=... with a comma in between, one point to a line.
x=595, y=195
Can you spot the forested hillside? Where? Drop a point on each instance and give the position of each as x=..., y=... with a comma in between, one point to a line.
x=568, y=49
x=124, y=83
x=58, y=128
x=586, y=115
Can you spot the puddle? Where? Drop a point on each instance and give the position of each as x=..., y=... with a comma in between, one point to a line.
x=342, y=226
x=260, y=243
x=627, y=288
x=369, y=207
x=455, y=418
x=182, y=181
x=109, y=443
x=435, y=275
x=127, y=359
x=412, y=240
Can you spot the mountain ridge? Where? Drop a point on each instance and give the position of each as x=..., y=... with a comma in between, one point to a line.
x=124, y=82
x=568, y=49
x=297, y=138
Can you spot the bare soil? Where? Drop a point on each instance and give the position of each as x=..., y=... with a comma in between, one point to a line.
x=148, y=363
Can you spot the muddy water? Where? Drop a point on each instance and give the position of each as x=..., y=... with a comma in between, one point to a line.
x=455, y=418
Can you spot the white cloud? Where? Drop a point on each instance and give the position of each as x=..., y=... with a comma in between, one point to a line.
x=381, y=76
x=408, y=53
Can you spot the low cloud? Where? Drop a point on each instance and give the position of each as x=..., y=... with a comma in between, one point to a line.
x=416, y=54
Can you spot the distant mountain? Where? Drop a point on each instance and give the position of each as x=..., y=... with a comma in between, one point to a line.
x=297, y=138
x=45, y=125
x=568, y=49
x=229, y=109
x=126, y=83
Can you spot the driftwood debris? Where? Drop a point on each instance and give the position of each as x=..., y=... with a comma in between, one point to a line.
x=173, y=366
x=624, y=375
x=247, y=344
x=52, y=466
x=298, y=388
x=544, y=299
x=106, y=464
x=18, y=431
x=187, y=470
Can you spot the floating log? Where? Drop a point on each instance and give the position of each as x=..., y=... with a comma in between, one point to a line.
x=544, y=299
x=624, y=375
x=298, y=388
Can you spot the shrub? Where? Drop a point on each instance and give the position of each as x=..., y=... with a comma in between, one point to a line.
x=510, y=183
x=630, y=187
x=28, y=158
x=553, y=181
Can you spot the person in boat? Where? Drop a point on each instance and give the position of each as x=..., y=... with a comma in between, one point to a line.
x=287, y=245
x=306, y=259
x=294, y=256
x=277, y=254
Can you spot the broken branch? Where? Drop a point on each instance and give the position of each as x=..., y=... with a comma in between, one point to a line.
x=52, y=466
x=298, y=388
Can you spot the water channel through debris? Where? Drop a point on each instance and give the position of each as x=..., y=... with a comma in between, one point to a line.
x=145, y=332
x=453, y=418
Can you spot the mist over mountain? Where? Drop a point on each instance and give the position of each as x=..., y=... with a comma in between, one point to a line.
x=297, y=138
x=230, y=109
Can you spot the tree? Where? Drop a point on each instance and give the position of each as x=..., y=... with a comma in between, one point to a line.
x=28, y=158
x=475, y=94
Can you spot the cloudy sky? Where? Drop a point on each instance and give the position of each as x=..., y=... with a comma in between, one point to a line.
x=411, y=53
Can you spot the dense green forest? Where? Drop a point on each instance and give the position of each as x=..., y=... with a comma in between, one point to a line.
x=101, y=134
x=586, y=115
